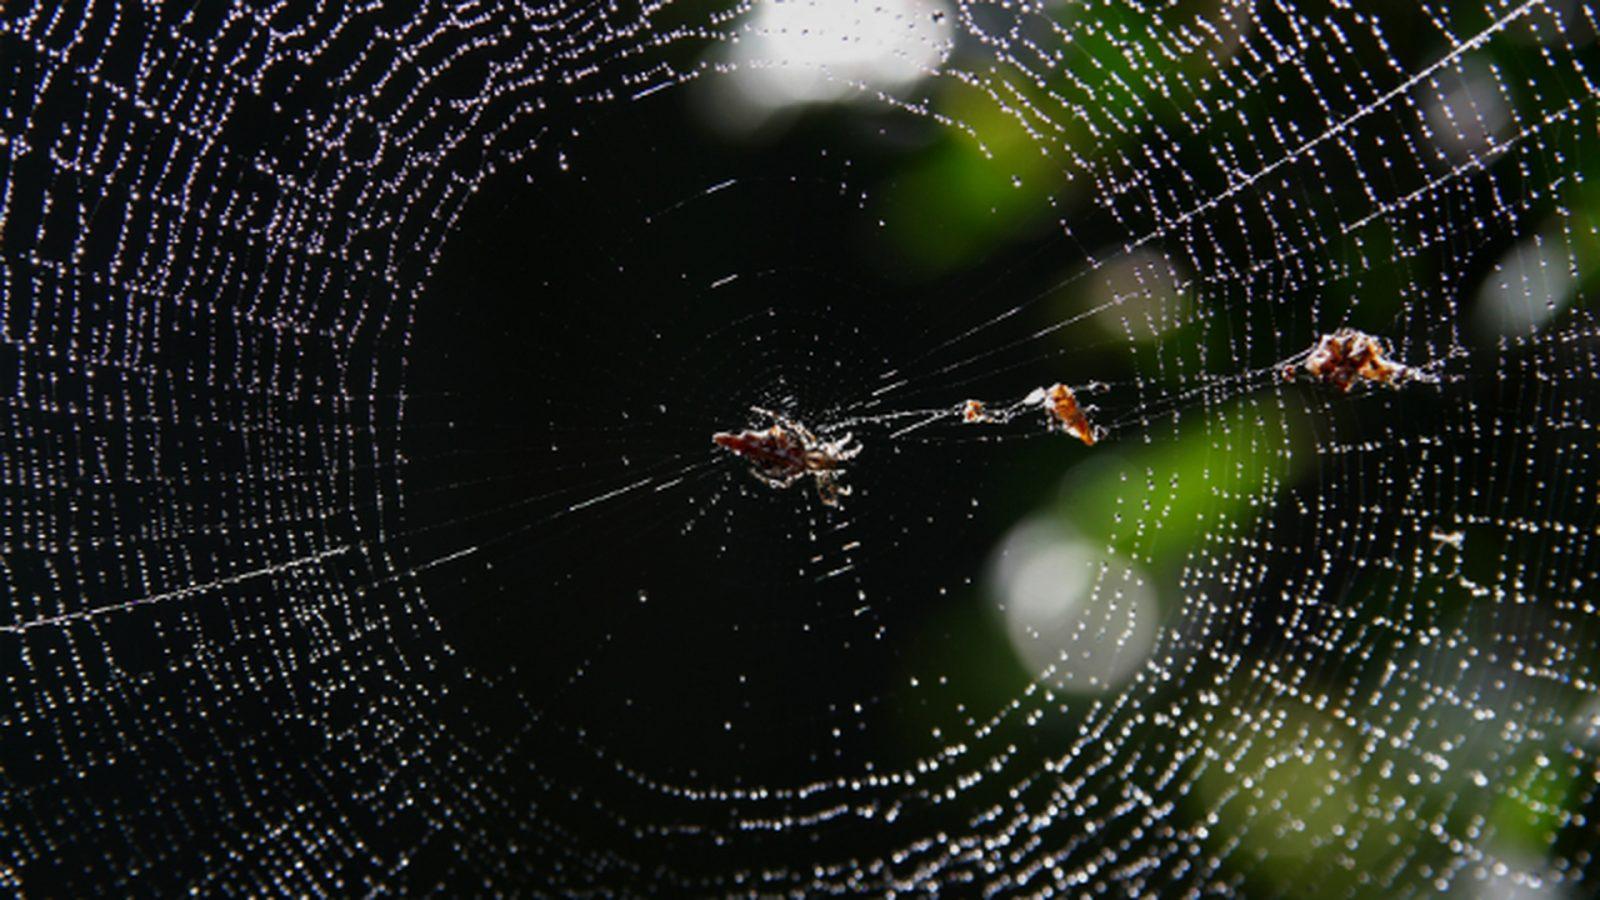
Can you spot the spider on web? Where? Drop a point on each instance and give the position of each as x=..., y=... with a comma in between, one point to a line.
x=788, y=451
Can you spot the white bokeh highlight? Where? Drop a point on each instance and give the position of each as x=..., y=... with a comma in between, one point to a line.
x=791, y=54
x=1528, y=287
x=1075, y=619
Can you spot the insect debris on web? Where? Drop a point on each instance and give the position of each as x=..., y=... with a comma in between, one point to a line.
x=1062, y=410
x=1346, y=356
x=974, y=411
x=788, y=451
x=1064, y=413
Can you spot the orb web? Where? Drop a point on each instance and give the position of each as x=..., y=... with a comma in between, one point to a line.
x=363, y=529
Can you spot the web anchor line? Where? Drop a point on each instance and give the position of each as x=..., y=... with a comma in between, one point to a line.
x=787, y=451
x=661, y=482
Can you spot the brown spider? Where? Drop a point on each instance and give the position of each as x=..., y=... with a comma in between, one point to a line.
x=787, y=451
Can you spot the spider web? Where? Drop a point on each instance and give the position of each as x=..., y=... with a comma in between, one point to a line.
x=362, y=530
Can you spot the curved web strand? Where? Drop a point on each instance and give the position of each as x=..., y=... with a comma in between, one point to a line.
x=1213, y=385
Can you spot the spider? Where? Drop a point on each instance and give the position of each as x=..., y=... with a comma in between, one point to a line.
x=787, y=451
x=1346, y=356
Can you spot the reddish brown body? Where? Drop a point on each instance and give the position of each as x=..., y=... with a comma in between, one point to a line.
x=772, y=449
x=788, y=451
